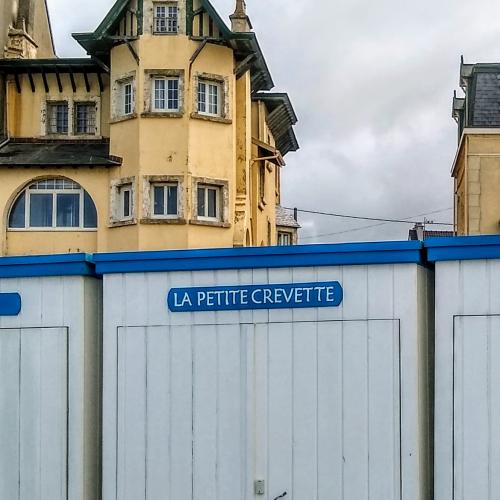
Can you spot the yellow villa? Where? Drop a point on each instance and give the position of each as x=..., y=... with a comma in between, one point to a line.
x=167, y=136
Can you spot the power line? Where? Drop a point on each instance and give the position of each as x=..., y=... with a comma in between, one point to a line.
x=357, y=217
x=373, y=225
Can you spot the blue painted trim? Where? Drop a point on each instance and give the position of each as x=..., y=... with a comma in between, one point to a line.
x=396, y=252
x=74, y=264
x=10, y=304
x=463, y=248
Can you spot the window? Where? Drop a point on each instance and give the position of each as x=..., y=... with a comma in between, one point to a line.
x=53, y=203
x=166, y=94
x=126, y=201
x=128, y=98
x=164, y=200
x=209, y=97
x=284, y=239
x=85, y=118
x=57, y=118
x=208, y=202
x=166, y=18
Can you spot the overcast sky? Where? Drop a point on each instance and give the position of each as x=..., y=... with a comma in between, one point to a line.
x=372, y=84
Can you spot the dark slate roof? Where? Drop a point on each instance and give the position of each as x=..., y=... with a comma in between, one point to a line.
x=57, y=153
x=55, y=65
x=284, y=218
x=281, y=119
x=481, y=109
x=413, y=236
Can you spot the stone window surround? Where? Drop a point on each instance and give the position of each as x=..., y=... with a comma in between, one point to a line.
x=149, y=12
x=117, y=114
x=223, y=200
x=72, y=100
x=147, y=216
x=115, y=219
x=223, y=81
x=149, y=76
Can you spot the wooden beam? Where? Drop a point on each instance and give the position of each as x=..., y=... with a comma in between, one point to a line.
x=133, y=52
x=18, y=83
x=72, y=78
x=87, y=83
x=32, y=82
x=59, y=83
x=101, y=83
x=45, y=82
x=242, y=66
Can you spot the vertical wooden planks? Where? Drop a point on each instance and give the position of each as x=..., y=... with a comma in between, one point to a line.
x=384, y=431
x=181, y=412
x=230, y=414
x=158, y=402
x=305, y=411
x=280, y=393
x=10, y=358
x=355, y=407
x=131, y=401
x=330, y=411
x=205, y=406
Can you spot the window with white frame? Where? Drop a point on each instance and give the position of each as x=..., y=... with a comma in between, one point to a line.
x=125, y=196
x=209, y=97
x=53, y=203
x=57, y=117
x=164, y=200
x=208, y=202
x=85, y=118
x=166, y=17
x=127, y=90
x=284, y=238
x=165, y=95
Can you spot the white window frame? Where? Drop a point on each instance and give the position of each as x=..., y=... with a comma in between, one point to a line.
x=171, y=22
x=53, y=192
x=288, y=235
x=218, y=211
x=122, y=189
x=166, y=109
x=165, y=186
x=219, y=88
x=124, y=104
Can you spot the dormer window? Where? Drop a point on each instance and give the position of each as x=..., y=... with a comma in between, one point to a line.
x=166, y=17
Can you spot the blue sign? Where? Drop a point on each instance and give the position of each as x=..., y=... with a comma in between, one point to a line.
x=237, y=298
x=10, y=304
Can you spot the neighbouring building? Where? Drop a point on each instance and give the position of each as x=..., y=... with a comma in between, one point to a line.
x=420, y=233
x=476, y=169
x=165, y=137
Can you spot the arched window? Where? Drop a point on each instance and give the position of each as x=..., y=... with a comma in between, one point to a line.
x=53, y=203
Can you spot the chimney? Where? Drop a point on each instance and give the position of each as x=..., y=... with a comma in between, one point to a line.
x=420, y=229
x=240, y=22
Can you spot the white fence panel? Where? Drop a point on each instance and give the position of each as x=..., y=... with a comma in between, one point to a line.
x=476, y=407
x=33, y=413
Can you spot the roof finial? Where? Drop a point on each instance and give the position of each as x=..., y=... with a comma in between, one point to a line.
x=240, y=23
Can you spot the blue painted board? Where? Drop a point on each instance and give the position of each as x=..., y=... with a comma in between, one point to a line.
x=236, y=298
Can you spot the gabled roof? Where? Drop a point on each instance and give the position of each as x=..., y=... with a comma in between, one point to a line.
x=281, y=119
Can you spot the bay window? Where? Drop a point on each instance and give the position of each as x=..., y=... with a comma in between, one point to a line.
x=208, y=198
x=165, y=200
x=209, y=98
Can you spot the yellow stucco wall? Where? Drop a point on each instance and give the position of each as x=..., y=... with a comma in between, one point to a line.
x=477, y=184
